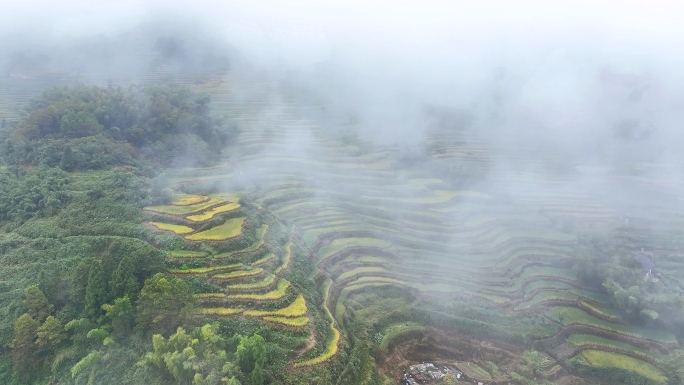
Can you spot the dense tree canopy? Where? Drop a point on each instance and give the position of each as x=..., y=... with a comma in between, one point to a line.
x=31, y=193
x=88, y=127
x=640, y=296
x=164, y=303
x=198, y=358
x=87, y=300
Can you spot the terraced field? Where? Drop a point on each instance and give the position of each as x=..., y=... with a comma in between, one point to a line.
x=246, y=271
x=370, y=222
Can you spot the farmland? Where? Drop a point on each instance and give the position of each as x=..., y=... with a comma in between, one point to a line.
x=373, y=231
x=606, y=359
x=358, y=261
x=491, y=253
x=230, y=229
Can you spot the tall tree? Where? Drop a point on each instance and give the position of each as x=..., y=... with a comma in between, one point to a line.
x=251, y=353
x=164, y=304
x=198, y=358
x=25, y=355
x=50, y=334
x=68, y=161
x=120, y=315
x=96, y=291
x=123, y=282
x=673, y=367
x=79, y=283
x=36, y=304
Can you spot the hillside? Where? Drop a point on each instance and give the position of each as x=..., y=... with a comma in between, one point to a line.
x=289, y=251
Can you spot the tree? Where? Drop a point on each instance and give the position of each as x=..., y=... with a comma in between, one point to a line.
x=92, y=363
x=673, y=368
x=50, y=334
x=172, y=358
x=120, y=316
x=250, y=353
x=52, y=282
x=198, y=358
x=534, y=361
x=79, y=284
x=96, y=291
x=96, y=128
x=257, y=376
x=123, y=282
x=160, y=189
x=164, y=304
x=36, y=304
x=25, y=357
x=68, y=160
x=77, y=124
x=78, y=330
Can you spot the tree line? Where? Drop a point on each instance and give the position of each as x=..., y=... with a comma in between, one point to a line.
x=89, y=128
x=86, y=298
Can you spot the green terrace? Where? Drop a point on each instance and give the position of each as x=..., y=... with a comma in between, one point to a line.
x=260, y=233
x=188, y=209
x=573, y=316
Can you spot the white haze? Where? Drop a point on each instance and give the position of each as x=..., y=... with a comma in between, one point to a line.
x=562, y=75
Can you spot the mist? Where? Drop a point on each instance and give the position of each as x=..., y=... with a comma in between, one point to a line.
x=401, y=181
x=590, y=88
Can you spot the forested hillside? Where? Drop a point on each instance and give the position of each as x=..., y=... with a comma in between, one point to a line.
x=86, y=293
x=83, y=127
x=147, y=237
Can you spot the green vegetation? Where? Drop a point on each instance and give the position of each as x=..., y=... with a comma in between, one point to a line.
x=334, y=339
x=286, y=259
x=547, y=295
x=205, y=270
x=471, y=369
x=222, y=311
x=209, y=295
x=198, y=357
x=188, y=209
x=295, y=322
x=332, y=268
x=295, y=309
x=570, y=316
x=178, y=229
x=188, y=199
x=605, y=313
x=187, y=254
x=211, y=213
x=278, y=293
x=239, y=274
x=360, y=270
x=85, y=298
x=266, y=282
x=261, y=231
x=614, y=360
x=637, y=298
x=586, y=340
x=95, y=128
x=341, y=244
x=263, y=260
x=398, y=330
x=230, y=229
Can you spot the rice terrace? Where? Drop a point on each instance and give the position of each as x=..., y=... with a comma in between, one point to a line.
x=211, y=226
x=428, y=271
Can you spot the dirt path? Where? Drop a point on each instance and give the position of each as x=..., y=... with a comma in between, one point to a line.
x=310, y=343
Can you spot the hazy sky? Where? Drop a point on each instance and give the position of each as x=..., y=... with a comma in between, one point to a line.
x=386, y=60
